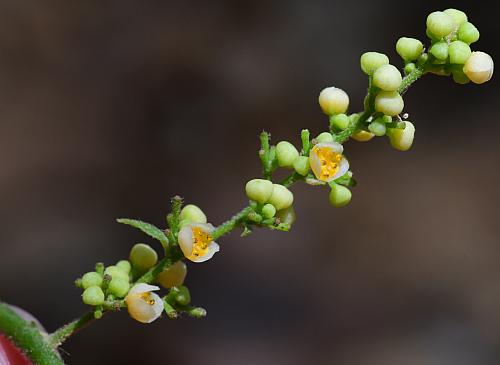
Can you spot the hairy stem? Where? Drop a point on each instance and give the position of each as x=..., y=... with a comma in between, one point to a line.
x=61, y=334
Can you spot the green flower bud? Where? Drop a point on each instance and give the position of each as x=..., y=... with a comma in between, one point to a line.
x=389, y=103
x=124, y=265
x=458, y=16
x=268, y=210
x=197, y=312
x=409, y=68
x=325, y=137
x=193, y=214
x=287, y=216
x=387, y=119
x=183, y=297
x=115, y=272
x=459, y=77
x=409, y=48
x=387, y=77
x=459, y=52
x=362, y=136
x=339, y=195
x=377, y=127
x=93, y=296
x=143, y=257
x=333, y=100
x=370, y=61
x=439, y=50
x=119, y=287
x=286, y=154
x=91, y=279
x=174, y=275
x=440, y=24
x=468, y=33
x=259, y=190
x=301, y=165
x=479, y=67
x=339, y=122
x=281, y=197
x=402, y=139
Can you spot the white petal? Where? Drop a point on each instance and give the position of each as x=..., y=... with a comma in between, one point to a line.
x=334, y=146
x=157, y=308
x=343, y=168
x=142, y=288
x=141, y=310
x=186, y=240
x=213, y=247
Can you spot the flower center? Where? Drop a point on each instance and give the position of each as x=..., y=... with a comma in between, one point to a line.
x=329, y=161
x=201, y=240
x=147, y=298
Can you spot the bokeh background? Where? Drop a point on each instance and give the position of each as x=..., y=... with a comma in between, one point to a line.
x=108, y=108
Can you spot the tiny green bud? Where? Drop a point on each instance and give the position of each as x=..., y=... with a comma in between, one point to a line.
x=281, y=197
x=424, y=57
x=259, y=190
x=124, y=265
x=468, y=33
x=119, y=287
x=362, y=136
x=98, y=314
x=389, y=103
x=197, y=312
x=333, y=100
x=174, y=275
x=387, y=119
x=143, y=257
x=377, y=127
x=99, y=268
x=91, y=279
x=339, y=195
x=93, y=296
x=409, y=68
x=370, y=61
x=301, y=165
x=286, y=154
x=440, y=24
x=409, y=48
x=268, y=210
x=183, y=297
x=458, y=16
x=402, y=139
x=459, y=77
x=287, y=215
x=387, y=77
x=115, y=272
x=339, y=121
x=459, y=52
x=193, y=214
x=439, y=50
x=479, y=67
x=325, y=137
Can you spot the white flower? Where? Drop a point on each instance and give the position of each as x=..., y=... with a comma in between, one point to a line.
x=327, y=161
x=143, y=305
x=196, y=242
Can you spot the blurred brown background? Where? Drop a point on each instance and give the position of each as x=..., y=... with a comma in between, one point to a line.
x=108, y=108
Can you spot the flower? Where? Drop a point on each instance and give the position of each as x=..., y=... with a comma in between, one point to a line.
x=143, y=305
x=196, y=242
x=327, y=161
x=479, y=67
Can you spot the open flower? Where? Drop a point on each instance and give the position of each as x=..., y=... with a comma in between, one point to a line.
x=327, y=161
x=196, y=242
x=143, y=305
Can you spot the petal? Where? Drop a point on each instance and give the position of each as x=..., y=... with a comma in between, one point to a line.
x=334, y=146
x=142, y=310
x=185, y=239
x=343, y=168
x=142, y=288
x=213, y=247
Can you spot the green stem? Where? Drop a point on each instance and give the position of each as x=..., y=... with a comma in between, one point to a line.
x=61, y=334
x=231, y=224
x=411, y=78
x=27, y=337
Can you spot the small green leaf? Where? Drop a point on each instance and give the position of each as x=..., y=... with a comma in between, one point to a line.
x=147, y=228
x=346, y=180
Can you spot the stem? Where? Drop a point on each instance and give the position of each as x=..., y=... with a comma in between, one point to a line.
x=231, y=224
x=61, y=334
x=411, y=78
x=27, y=337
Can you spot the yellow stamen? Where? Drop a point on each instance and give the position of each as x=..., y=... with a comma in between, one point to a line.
x=147, y=298
x=329, y=160
x=201, y=240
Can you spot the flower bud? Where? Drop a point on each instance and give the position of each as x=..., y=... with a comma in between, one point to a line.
x=387, y=77
x=409, y=48
x=362, y=136
x=459, y=77
x=143, y=305
x=339, y=121
x=183, y=297
x=281, y=197
x=324, y=137
x=118, y=287
x=439, y=50
x=459, y=52
x=458, y=16
x=143, y=257
x=468, y=33
x=339, y=195
x=440, y=24
x=333, y=100
x=259, y=190
x=301, y=165
x=402, y=139
x=287, y=216
x=268, y=210
x=93, y=296
x=91, y=279
x=377, y=127
x=286, y=154
x=389, y=103
x=115, y=272
x=479, y=67
x=174, y=275
x=370, y=61
x=193, y=213
x=124, y=265
x=409, y=68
